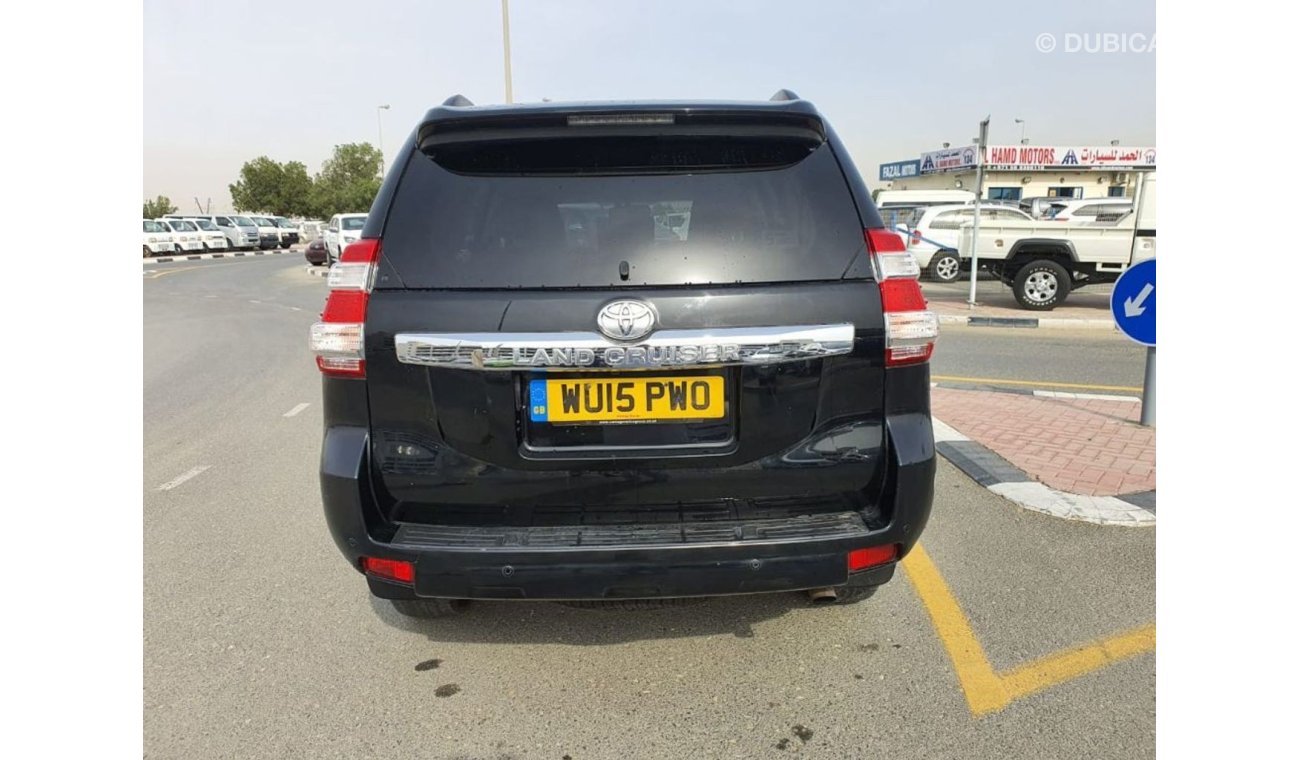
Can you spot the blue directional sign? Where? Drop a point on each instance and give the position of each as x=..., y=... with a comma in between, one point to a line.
x=1133, y=302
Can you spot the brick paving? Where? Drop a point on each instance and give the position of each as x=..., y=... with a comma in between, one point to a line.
x=1091, y=447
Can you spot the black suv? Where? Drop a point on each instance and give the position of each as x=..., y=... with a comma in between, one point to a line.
x=624, y=351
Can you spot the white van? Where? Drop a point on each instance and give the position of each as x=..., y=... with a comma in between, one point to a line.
x=268, y=232
x=184, y=234
x=213, y=238
x=157, y=239
x=240, y=231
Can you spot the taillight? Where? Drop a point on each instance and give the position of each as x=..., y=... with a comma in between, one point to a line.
x=910, y=328
x=391, y=569
x=337, y=340
x=873, y=556
x=916, y=237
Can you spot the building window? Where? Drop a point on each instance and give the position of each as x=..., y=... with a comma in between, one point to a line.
x=1004, y=193
x=1065, y=192
x=1115, y=191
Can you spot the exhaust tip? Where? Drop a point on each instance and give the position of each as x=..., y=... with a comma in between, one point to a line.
x=822, y=595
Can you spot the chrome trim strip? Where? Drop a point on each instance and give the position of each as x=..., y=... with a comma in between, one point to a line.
x=664, y=349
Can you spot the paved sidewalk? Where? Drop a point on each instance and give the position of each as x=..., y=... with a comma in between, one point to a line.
x=1081, y=449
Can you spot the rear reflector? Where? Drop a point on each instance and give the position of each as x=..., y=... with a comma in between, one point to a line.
x=864, y=559
x=910, y=328
x=391, y=569
x=338, y=339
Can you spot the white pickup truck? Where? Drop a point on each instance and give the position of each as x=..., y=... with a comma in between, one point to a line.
x=1044, y=261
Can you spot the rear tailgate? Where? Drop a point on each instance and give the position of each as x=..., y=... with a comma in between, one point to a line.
x=518, y=236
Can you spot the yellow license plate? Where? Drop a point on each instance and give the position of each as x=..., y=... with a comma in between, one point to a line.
x=618, y=399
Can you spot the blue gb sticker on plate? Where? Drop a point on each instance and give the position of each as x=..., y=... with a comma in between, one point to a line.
x=537, y=400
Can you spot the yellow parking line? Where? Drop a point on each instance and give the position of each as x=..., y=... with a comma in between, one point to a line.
x=1058, y=668
x=985, y=689
x=1034, y=383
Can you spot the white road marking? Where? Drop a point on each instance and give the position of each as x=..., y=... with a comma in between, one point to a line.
x=176, y=481
x=296, y=409
x=253, y=300
x=1094, y=396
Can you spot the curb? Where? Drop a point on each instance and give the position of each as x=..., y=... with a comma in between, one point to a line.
x=990, y=470
x=1062, y=323
x=228, y=255
x=994, y=388
x=316, y=271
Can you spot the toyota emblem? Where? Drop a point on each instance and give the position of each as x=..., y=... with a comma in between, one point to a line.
x=626, y=320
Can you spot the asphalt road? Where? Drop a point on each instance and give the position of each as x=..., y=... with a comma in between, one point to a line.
x=261, y=642
x=1040, y=357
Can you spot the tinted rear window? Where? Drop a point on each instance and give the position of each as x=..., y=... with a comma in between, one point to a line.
x=569, y=213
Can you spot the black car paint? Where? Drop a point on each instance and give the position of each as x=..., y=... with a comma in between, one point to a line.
x=468, y=423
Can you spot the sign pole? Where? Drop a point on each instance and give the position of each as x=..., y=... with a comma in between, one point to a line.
x=1148, y=418
x=1133, y=304
x=979, y=191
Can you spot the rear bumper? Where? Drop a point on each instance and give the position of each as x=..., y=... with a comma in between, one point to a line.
x=624, y=562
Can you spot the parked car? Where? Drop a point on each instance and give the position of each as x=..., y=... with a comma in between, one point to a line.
x=1044, y=262
x=531, y=395
x=209, y=233
x=268, y=232
x=184, y=234
x=933, y=235
x=1090, y=210
x=157, y=239
x=289, y=233
x=240, y=231
x=317, y=254
x=343, y=230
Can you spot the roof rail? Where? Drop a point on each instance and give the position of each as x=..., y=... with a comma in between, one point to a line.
x=784, y=94
x=458, y=100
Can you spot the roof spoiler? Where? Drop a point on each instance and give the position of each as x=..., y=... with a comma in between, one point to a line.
x=458, y=100
x=784, y=94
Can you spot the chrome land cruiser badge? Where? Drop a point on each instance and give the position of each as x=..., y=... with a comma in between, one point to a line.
x=626, y=319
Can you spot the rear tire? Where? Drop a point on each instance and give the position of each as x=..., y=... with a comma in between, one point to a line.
x=428, y=609
x=945, y=266
x=1041, y=285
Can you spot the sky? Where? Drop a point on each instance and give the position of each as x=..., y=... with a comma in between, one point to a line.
x=228, y=81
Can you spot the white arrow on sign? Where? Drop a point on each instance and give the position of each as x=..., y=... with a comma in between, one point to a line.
x=1133, y=307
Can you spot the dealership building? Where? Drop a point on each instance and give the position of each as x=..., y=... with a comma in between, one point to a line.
x=1016, y=172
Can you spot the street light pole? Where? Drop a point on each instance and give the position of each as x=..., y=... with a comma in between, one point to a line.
x=379, y=116
x=980, y=142
x=505, y=37
x=1021, y=122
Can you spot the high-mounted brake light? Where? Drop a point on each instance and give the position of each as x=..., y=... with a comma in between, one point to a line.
x=605, y=119
x=337, y=340
x=910, y=328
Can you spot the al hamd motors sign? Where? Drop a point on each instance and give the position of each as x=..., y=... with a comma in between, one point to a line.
x=948, y=160
x=1017, y=157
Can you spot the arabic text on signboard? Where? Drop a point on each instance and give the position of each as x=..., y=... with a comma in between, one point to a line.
x=1081, y=157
